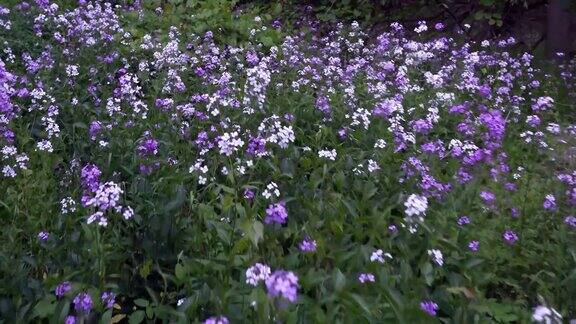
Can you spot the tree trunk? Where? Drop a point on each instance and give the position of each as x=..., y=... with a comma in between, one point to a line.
x=558, y=30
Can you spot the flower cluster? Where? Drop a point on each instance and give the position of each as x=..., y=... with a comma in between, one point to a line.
x=366, y=138
x=283, y=284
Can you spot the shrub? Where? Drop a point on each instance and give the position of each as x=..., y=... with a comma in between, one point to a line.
x=163, y=175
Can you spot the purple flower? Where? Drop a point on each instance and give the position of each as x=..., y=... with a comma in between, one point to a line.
x=106, y=196
x=43, y=236
x=82, y=303
x=248, y=194
x=510, y=237
x=217, y=320
x=108, y=299
x=146, y=169
x=283, y=284
x=256, y=146
x=308, y=245
x=90, y=175
x=463, y=220
x=70, y=319
x=429, y=307
x=276, y=213
x=533, y=120
x=62, y=289
x=485, y=91
x=148, y=147
x=515, y=212
x=474, y=246
x=276, y=24
x=549, y=202
x=323, y=104
x=487, y=196
x=392, y=228
x=570, y=221
x=366, y=277
x=94, y=129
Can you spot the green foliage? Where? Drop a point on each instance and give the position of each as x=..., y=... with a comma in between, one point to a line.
x=183, y=256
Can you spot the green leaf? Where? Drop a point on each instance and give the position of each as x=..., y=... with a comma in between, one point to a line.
x=106, y=317
x=45, y=307
x=428, y=272
x=141, y=302
x=136, y=317
x=362, y=303
x=339, y=280
x=472, y=263
x=178, y=200
x=479, y=15
x=180, y=271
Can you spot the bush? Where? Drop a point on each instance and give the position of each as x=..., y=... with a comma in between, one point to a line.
x=151, y=173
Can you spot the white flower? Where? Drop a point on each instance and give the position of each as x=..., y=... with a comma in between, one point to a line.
x=330, y=155
x=256, y=273
x=229, y=143
x=416, y=205
x=45, y=146
x=271, y=190
x=8, y=172
x=380, y=256
x=68, y=205
x=437, y=256
x=543, y=314
x=380, y=144
x=373, y=166
x=128, y=213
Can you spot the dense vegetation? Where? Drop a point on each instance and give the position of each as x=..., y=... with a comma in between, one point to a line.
x=245, y=164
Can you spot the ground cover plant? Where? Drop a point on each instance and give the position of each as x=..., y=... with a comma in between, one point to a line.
x=302, y=175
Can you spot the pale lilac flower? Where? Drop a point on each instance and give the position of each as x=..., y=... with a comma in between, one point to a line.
x=283, y=284
x=547, y=315
x=366, y=277
x=328, y=154
x=106, y=196
x=276, y=213
x=487, y=196
x=416, y=205
x=307, y=245
x=70, y=319
x=108, y=299
x=256, y=273
x=570, y=221
x=82, y=303
x=217, y=320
